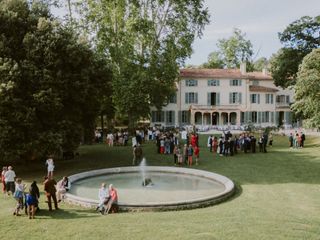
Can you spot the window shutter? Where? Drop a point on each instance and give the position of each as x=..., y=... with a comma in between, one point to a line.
x=196, y=98
x=230, y=97
x=259, y=117
x=245, y=117
x=240, y=82
x=218, y=82
x=179, y=118
x=287, y=99
x=258, y=96
x=209, y=98
x=277, y=118
x=217, y=99
x=186, y=98
x=162, y=116
x=240, y=97
x=188, y=117
x=251, y=98
x=289, y=118
x=271, y=98
x=166, y=116
x=250, y=116
x=230, y=82
x=173, y=117
x=272, y=117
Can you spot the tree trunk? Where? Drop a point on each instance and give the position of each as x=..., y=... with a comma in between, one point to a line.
x=102, y=126
x=131, y=124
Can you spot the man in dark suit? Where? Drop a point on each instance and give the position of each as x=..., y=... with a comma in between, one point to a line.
x=50, y=191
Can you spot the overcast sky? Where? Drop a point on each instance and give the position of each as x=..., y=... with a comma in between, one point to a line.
x=261, y=20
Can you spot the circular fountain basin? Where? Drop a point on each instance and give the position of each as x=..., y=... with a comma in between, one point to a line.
x=171, y=188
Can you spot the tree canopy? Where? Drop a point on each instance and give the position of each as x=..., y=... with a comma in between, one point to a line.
x=50, y=83
x=146, y=41
x=307, y=89
x=231, y=52
x=299, y=38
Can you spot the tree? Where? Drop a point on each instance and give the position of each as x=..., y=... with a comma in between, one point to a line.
x=231, y=52
x=214, y=61
x=260, y=64
x=146, y=41
x=299, y=38
x=50, y=83
x=307, y=89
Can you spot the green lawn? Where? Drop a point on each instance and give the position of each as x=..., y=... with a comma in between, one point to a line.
x=278, y=197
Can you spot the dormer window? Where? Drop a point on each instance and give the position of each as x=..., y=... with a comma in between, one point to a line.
x=191, y=83
x=213, y=82
x=235, y=82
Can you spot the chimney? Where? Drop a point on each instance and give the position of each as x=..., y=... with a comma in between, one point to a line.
x=265, y=71
x=243, y=68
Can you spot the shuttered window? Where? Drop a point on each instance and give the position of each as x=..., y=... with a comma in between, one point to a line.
x=191, y=97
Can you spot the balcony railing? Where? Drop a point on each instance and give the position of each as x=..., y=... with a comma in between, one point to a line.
x=215, y=107
x=282, y=104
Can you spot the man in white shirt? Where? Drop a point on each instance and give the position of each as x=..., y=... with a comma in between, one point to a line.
x=9, y=176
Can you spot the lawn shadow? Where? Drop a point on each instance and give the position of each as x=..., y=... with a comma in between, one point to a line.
x=66, y=214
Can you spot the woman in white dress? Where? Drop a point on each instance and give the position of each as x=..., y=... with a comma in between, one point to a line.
x=50, y=167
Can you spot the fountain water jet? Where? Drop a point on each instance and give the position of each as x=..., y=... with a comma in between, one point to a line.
x=146, y=181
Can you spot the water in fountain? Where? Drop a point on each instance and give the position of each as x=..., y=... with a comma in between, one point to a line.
x=145, y=180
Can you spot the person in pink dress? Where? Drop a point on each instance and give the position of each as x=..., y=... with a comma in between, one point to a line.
x=113, y=202
x=193, y=140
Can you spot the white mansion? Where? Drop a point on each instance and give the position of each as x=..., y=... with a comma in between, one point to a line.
x=220, y=97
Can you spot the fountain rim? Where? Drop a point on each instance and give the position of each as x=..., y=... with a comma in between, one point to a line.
x=193, y=203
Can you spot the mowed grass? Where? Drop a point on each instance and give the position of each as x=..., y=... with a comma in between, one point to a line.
x=277, y=197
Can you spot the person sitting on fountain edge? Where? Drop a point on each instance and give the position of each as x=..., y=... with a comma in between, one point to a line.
x=104, y=198
x=113, y=202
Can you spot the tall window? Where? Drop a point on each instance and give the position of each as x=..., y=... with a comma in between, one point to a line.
x=235, y=97
x=235, y=82
x=283, y=99
x=170, y=117
x=185, y=117
x=173, y=98
x=255, y=98
x=269, y=98
x=267, y=116
x=213, y=82
x=254, y=117
x=191, y=83
x=157, y=116
x=191, y=97
x=213, y=99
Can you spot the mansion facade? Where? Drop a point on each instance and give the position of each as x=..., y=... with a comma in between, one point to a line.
x=220, y=97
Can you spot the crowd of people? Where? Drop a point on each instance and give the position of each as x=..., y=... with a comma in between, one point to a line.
x=27, y=198
x=296, y=140
x=227, y=144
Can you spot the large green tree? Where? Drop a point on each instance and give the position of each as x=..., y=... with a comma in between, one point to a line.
x=299, y=38
x=146, y=41
x=50, y=83
x=307, y=89
x=231, y=52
